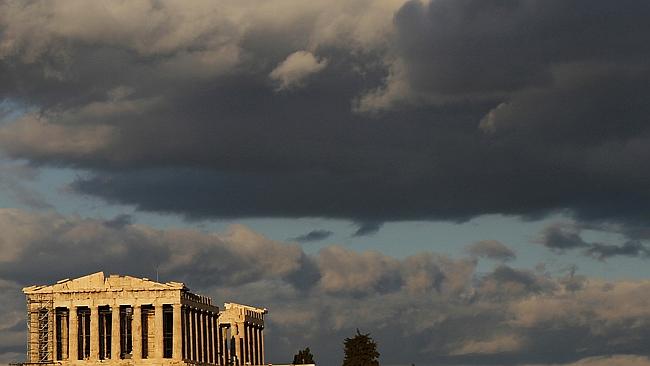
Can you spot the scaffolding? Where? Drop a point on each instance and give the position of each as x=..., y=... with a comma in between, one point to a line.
x=40, y=328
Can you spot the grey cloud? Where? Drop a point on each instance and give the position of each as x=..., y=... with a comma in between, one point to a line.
x=630, y=249
x=12, y=325
x=622, y=360
x=314, y=235
x=476, y=49
x=567, y=236
x=602, y=95
x=367, y=228
x=88, y=245
x=14, y=179
x=491, y=249
x=511, y=107
x=119, y=221
x=562, y=236
x=509, y=282
x=417, y=308
x=344, y=271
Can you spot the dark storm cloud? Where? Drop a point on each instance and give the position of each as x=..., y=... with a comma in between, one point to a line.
x=630, y=249
x=561, y=237
x=417, y=308
x=367, y=228
x=465, y=47
x=369, y=110
x=314, y=235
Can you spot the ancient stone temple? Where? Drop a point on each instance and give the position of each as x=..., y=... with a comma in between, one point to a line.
x=127, y=320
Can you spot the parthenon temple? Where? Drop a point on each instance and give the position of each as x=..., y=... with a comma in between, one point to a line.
x=127, y=320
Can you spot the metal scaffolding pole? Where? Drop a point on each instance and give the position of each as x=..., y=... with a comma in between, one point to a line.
x=40, y=328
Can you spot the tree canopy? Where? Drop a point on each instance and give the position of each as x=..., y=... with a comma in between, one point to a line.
x=360, y=350
x=303, y=357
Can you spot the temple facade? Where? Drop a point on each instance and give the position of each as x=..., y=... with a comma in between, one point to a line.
x=127, y=320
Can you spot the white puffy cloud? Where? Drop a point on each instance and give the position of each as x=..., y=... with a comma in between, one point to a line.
x=292, y=72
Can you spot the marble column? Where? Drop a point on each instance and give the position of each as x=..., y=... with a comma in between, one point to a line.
x=158, y=331
x=136, y=333
x=251, y=342
x=210, y=339
x=237, y=339
x=182, y=335
x=201, y=320
x=177, y=333
x=204, y=334
x=94, y=332
x=246, y=350
x=261, y=345
x=115, y=332
x=197, y=335
x=216, y=338
x=186, y=332
x=209, y=329
x=73, y=339
x=204, y=337
x=193, y=334
x=256, y=338
x=65, y=335
x=223, y=346
x=228, y=347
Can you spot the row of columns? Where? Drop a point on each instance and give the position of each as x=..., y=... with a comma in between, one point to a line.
x=247, y=344
x=196, y=335
x=116, y=349
x=200, y=341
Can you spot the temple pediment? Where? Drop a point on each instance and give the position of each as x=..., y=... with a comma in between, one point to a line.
x=99, y=282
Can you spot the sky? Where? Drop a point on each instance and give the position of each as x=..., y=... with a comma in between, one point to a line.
x=466, y=180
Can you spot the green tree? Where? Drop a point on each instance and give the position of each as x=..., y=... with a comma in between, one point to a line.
x=360, y=350
x=303, y=357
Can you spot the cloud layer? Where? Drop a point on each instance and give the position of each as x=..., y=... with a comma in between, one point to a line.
x=567, y=236
x=389, y=110
x=425, y=309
